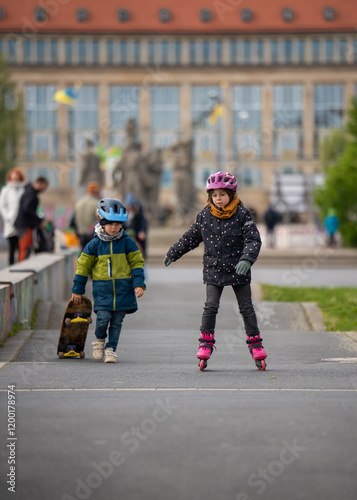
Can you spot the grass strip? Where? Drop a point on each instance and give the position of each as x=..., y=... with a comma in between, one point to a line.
x=338, y=305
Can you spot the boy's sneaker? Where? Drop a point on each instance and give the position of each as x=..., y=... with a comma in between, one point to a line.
x=98, y=348
x=110, y=356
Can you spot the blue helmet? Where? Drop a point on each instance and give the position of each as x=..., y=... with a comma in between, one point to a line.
x=112, y=210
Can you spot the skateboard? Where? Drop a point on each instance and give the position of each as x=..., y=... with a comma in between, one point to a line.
x=74, y=329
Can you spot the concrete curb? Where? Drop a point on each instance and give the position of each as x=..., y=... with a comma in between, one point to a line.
x=314, y=316
x=13, y=345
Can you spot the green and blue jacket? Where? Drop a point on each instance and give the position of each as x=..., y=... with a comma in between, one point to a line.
x=117, y=268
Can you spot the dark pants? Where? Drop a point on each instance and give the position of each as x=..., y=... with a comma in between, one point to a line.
x=13, y=247
x=244, y=299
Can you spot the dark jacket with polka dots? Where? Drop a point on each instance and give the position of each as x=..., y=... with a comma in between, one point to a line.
x=226, y=241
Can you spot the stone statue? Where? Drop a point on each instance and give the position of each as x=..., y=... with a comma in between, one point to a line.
x=90, y=167
x=151, y=183
x=129, y=172
x=184, y=180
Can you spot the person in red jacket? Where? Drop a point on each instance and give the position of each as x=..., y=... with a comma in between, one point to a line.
x=27, y=218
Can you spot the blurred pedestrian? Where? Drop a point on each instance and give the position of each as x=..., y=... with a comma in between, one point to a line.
x=271, y=218
x=85, y=214
x=136, y=225
x=27, y=219
x=331, y=225
x=9, y=205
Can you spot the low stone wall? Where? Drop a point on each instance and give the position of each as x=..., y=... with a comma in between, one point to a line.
x=46, y=277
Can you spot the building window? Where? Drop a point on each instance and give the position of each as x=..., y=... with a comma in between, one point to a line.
x=206, y=51
x=164, y=15
x=343, y=48
x=165, y=115
x=206, y=15
x=288, y=116
x=288, y=105
x=151, y=50
x=207, y=135
x=316, y=51
x=246, y=15
x=41, y=122
x=234, y=51
x=260, y=51
x=288, y=51
x=53, y=51
x=137, y=51
x=123, y=15
x=83, y=120
x=68, y=51
x=82, y=15
x=287, y=14
x=247, y=106
x=219, y=49
x=82, y=52
x=12, y=48
x=164, y=52
x=274, y=51
x=26, y=48
x=192, y=51
x=110, y=52
x=95, y=51
x=178, y=52
x=329, y=106
x=329, y=50
x=329, y=14
x=124, y=104
x=247, y=51
x=123, y=52
x=2, y=13
x=301, y=51
x=40, y=51
x=40, y=15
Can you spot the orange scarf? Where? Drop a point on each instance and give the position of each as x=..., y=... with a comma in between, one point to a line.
x=227, y=211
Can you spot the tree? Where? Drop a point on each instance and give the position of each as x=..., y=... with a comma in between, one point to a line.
x=332, y=147
x=340, y=188
x=11, y=121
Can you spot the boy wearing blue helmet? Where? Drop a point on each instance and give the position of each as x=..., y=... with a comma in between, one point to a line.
x=117, y=268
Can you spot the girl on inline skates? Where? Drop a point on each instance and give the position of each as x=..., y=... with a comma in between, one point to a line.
x=232, y=244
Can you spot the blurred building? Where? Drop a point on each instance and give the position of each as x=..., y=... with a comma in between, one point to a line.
x=256, y=84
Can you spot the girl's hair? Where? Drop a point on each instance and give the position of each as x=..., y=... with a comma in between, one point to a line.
x=15, y=171
x=232, y=195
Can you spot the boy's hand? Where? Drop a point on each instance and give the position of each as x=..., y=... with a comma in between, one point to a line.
x=77, y=299
x=139, y=292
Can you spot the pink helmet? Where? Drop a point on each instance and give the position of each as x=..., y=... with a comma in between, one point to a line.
x=221, y=180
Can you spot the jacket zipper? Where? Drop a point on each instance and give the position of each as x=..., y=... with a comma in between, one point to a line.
x=110, y=272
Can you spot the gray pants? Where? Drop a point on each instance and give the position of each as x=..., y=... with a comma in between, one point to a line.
x=246, y=308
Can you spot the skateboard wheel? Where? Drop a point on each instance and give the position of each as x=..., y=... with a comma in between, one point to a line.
x=67, y=321
x=61, y=355
x=82, y=354
x=90, y=320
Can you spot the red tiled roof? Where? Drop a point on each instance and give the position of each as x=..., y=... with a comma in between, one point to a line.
x=185, y=16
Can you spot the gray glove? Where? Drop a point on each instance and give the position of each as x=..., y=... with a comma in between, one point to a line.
x=243, y=267
x=167, y=261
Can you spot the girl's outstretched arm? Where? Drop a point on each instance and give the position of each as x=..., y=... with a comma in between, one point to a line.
x=188, y=241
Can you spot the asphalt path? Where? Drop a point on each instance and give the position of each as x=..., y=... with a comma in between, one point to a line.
x=153, y=426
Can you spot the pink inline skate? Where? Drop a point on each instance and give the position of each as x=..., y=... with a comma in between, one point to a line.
x=206, y=347
x=257, y=351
